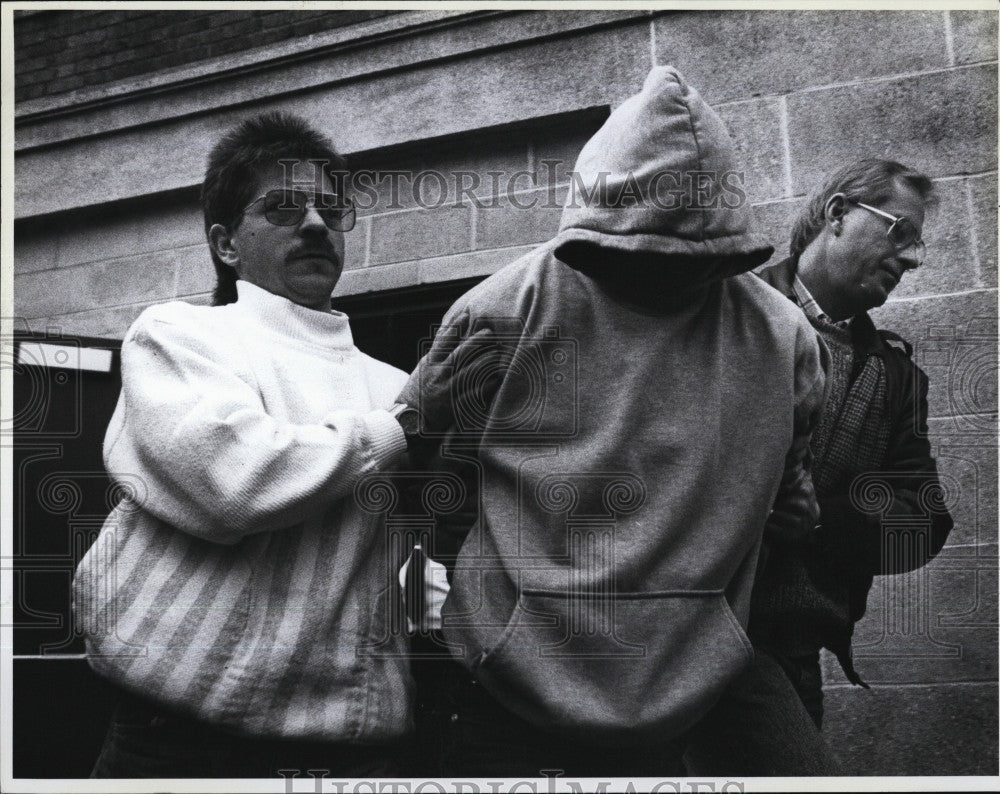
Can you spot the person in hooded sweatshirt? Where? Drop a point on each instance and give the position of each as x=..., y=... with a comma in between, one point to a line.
x=650, y=411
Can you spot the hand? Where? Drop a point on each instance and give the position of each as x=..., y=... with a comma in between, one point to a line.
x=458, y=392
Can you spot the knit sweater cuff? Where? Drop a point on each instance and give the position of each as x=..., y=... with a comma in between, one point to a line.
x=386, y=436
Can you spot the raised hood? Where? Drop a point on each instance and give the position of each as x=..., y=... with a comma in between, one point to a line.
x=659, y=183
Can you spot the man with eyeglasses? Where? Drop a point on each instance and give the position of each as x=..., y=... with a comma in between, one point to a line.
x=235, y=593
x=851, y=244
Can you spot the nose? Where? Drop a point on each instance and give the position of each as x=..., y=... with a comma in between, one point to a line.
x=910, y=258
x=312, y=223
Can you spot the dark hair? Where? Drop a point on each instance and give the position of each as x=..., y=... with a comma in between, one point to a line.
x=871, y=181
x=236, y=163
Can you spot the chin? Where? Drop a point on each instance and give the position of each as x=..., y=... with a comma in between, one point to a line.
x=873, y=302
x=319, y=283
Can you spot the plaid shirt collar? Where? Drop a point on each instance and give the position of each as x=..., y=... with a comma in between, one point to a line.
x=809, y=306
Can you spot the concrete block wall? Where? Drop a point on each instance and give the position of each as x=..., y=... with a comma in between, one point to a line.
x=107, y=223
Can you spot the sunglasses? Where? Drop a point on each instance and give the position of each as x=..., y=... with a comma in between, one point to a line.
x=901, y=233
x=283, y=207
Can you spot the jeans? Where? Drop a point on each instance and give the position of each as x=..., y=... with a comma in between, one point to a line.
x=766, y=724
x=146, y=741
x=463, y=731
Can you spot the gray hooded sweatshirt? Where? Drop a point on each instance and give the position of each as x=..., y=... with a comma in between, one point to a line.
x=638, y=439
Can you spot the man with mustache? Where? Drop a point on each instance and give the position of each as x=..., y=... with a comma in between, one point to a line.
x=854, y=239
x=233, y=591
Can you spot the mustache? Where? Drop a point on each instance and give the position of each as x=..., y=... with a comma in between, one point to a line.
x=895, y=270
x=324, y=251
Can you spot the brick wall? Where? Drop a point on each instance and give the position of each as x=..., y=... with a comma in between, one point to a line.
x=58, y=51
x=801, y=93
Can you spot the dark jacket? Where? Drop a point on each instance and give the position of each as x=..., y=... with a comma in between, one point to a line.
x=863, y=529
x=631, y=455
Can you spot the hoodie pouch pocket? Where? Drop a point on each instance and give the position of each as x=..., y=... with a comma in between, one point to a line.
x=619, y=667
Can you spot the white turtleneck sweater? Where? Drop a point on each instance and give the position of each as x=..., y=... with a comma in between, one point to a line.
x=238, y=581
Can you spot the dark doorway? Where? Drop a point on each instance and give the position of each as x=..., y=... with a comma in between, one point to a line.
x=65, y=389
x=390, y=325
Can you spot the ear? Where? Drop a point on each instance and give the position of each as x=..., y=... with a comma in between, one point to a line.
x=835, y=209
x=221, y=243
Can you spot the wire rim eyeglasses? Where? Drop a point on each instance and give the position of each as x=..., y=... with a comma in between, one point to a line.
x=901, y=232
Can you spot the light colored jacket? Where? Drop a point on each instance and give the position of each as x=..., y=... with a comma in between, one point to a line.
x=237, y=581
